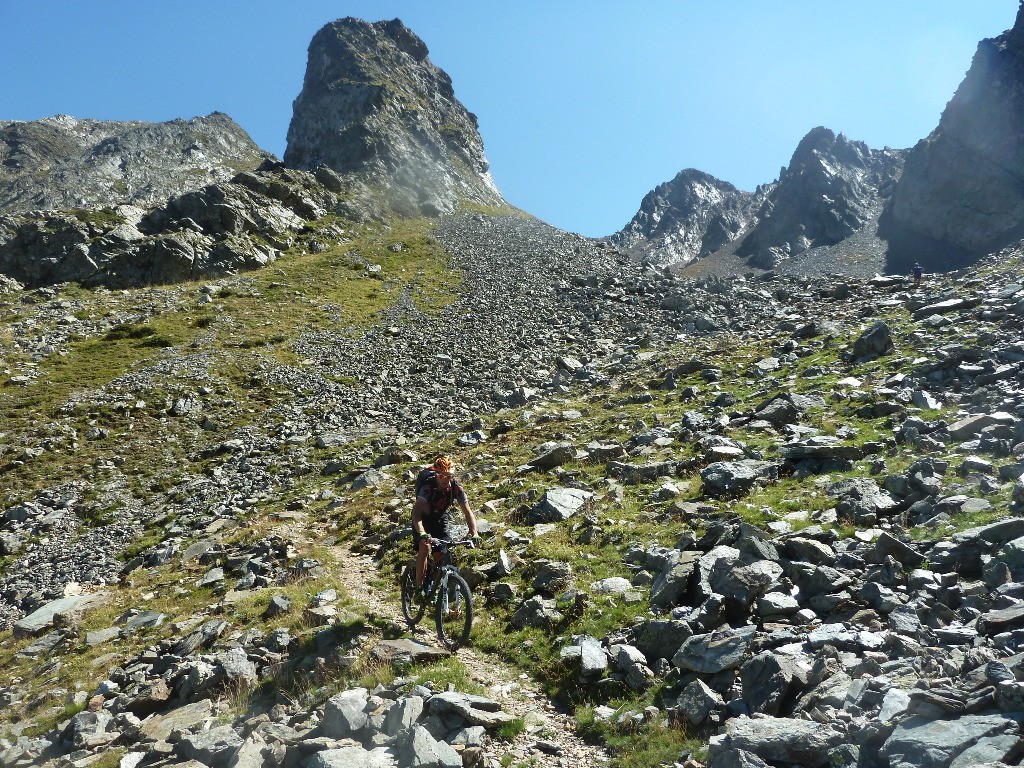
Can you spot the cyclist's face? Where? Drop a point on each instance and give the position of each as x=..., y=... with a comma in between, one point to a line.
x=444, y=479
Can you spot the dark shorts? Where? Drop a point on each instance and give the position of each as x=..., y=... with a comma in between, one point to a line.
x=436, y=529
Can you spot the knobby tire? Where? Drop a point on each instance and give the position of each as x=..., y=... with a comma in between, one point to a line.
x=451, y=631
x=413, y=605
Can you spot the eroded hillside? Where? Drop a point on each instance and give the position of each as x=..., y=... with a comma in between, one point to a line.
x=702, y=500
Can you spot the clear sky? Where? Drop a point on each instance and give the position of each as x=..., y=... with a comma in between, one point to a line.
x=584, y=105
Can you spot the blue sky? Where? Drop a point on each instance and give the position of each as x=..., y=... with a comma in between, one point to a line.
x=584, y=105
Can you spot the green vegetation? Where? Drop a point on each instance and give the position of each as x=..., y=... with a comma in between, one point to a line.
x=105, y=409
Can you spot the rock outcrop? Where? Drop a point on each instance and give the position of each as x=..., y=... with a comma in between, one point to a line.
x=961, y=195
x=61, y=162
x=832, y=188
x=217, y=230
x=375, y=109
x=687, y=218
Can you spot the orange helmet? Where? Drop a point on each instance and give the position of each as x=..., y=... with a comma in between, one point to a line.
x=444, y=466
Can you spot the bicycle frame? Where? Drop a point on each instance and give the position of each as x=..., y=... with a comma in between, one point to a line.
x=438, y=570
x=453, y=605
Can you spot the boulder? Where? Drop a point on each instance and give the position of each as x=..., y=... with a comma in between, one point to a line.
x=715, y=651
x=922, y=742
x=558, y=504
x=735, y=478
x=777, y=740
x=345, y=714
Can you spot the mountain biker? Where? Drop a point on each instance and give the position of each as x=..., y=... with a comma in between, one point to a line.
x=434, y=496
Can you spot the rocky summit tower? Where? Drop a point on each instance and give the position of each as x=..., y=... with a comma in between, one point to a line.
x=376, y=110
x=961, y=194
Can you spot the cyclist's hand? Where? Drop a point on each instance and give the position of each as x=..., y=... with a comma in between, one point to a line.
x=476, y=542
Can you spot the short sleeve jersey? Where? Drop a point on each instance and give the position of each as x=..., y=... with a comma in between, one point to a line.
x=438, y=500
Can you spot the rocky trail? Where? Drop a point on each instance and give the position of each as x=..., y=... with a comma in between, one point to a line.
x=548, y=739
x=711, y=499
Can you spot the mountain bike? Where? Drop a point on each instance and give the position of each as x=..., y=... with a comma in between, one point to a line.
x=446, y=589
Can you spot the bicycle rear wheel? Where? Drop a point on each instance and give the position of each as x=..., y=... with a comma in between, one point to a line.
x=413, y=605
x=453, y=612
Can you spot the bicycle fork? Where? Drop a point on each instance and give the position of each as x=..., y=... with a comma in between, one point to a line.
x=445, y=594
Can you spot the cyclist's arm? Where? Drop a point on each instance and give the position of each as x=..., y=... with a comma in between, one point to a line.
x=418, y=509
x=470, y=519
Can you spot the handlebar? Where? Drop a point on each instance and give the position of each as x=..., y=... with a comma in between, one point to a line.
x=444, y=544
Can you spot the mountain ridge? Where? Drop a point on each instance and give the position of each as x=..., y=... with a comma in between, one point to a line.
x=62, y=162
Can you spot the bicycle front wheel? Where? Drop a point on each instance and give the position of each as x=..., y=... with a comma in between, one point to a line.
x=413, y=605
x=453, y=612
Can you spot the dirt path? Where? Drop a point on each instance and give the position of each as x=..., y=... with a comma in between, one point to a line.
x=549, y=740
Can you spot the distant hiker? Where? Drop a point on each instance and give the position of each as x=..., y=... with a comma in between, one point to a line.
x=917, y=274
x=436, y=489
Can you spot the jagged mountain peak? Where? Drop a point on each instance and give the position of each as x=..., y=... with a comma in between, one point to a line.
x=960, y=196
x=373, y=107
x=686, y=218
x=831, y=189
x=823, y=144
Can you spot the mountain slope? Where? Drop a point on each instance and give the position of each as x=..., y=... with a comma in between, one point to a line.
x=758, y=491
x=61, y=162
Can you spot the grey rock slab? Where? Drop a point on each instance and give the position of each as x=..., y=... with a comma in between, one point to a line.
x=904, y=620
x=820, y=447
x=735, y=478
x=536, y=612
x=741, y=585
x=554, y=456
x=239, y=671
x=593, y=659
x=345, y=714
x=372, y=478
x=473, y=736
x=43, y=618
x=614, y=585
x=389, y=650
x=895, y=702
x=100, y=636
x=733, y=758
x=1002, y=747
x=674, y=580
x=144, y=620
x=660, y=639
x=251, y=754
x=923, y=742
x=697, y=701
x=42, y=645
x=715, y=651
x=159, y=727
x=1002, y=620
x=767, y=679
x=875, y=340
x=475, y=710
x=419, y=749
x=402, y=714
x=84, y=726
x=558, y=504
x=831, y=634
x=1012, y=554
x=779, y=740
x=354, y=757
x=777, y=604
x=213, y=747
x=971, y=426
